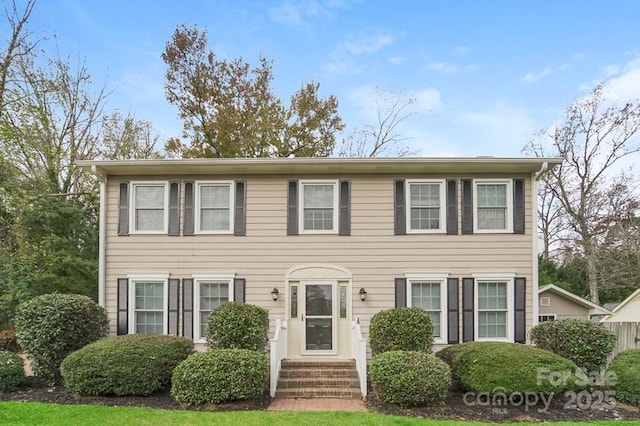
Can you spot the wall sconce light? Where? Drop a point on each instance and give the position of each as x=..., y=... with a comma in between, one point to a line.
x=363, y=294
x=275, y=294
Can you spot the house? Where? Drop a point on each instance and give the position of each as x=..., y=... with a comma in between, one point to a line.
x=323, y=244
x=558, y=303
x=626, y=311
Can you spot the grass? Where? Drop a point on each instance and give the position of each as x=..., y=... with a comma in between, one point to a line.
x=34, y=413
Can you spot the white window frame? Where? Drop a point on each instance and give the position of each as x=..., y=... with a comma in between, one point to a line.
x=552, y=317
x=204, y=277
x=507, y=278
x=509, y=212
x=336, y=207
x=198, y=211
x=442, y=207
x=132, y=207
x=440, y=277
x=134, y=278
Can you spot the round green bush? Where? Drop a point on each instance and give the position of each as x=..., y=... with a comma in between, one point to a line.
x=584, y=342
x=11, y=371
x=511, y=367
x=400, y=329
x=221, y=375
x=625, y=369
x=136, y=364
x=238, y=326
x=51, y=326
x=409, y=378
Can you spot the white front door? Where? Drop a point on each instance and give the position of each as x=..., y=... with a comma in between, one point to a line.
x=318, y=317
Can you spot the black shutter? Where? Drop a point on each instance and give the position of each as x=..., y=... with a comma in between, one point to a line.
x=344, y=226
x=240, y=216
x=401, y=292
x=400, y=215
x=123, y=209
x=519, y=326
x=467, y=206
x=174, y=208
x=467, y=309
x=292, y=208
x=453, y=323
x=123, y=307
x=239, y=290
x=189, y=209
x=452, y=207
x=518, y=206
x=174, y=288
x=187, y=307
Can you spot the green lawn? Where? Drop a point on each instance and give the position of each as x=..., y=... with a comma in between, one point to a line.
x=31, y=413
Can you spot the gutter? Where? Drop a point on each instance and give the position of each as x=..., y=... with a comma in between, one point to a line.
x=102, y=233
x=534, y=241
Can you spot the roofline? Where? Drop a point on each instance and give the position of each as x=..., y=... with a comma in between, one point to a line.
x=320, y=165
x=575, y=297
x=625, y=301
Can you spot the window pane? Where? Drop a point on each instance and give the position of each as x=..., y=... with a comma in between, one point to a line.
x=424, y=194
x=149, y=197
x=426, y=295
x=204, y=316
x=492, y=324
x=294, y=301
x=149, y=295
x=214, y=219
x=214, y=196
x=492, y=195
x=318, y=196
x=319, y=299
x=423, y=218
x=212, y=295
x=435, y=320
x=492, y=218
x=318, y=219
x=343, y=301
x=149, y=322
x=492, y=295
x=149, y=220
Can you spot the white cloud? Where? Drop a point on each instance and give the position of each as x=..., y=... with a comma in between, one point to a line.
x=396, y=59
x=625, y=86
x=610, y=71
x=461, y=50
x=533, y=76
x=530, y=77
x=427, y=99
x=343, y=59
x=367, y=43
x=342, y=67
x=441, y=67
x=299, y=13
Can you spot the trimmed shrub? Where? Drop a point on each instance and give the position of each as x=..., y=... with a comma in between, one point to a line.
x=221, y=375
x=136, y=364
x=11, y=371
x=409, y=378
x=448, y=354
x=238, y=326
x=626, y=367
x=511, y=367
x=400, y=329
x=9, y=340
x=51, y=326
x=584, y=342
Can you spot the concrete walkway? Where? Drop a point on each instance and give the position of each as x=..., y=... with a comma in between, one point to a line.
x=317, y=404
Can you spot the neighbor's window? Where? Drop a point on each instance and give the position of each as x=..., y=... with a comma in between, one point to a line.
x=545, y=318
x=149, y=307
x=319, y=207
x=149, y=207
x=493, y=310
x=214, y=207
x=493, y=206
x=425, y=209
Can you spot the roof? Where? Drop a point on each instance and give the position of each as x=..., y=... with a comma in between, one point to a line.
x=577, y=299
x=625, y=302
x=317, y=165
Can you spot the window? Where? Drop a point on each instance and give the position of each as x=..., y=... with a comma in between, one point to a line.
x=545, y=318
x=214, y=212
x=428, y=292
x=319, y=212
x=493, y=203
x=343, y=300
x=494, y=308
x=211, y=291
x=425, y=211
x=149, y=212
x=148, y=304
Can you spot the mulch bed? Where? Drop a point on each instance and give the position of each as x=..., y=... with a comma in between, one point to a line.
x=455, y=407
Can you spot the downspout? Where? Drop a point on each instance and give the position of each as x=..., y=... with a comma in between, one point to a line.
x=102, y=233
x=534, y=206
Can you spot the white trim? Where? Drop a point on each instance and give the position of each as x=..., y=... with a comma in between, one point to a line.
x=442, y=206
x=102, y=240
x=535, y=250
x=579, y=300
x=336, y=206
x=132, y=205
x=621, y=305
x=509, y=212
x=440, y=277
x=335, y=317
x=199, y=278
x=508, y=279
x=148, y=277
x=231, y=185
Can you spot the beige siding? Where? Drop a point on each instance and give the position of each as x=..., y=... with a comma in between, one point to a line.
x=562, y=307
x=372, y=253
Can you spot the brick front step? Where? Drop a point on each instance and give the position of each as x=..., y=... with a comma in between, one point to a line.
x=314, y=382
x=346, y=373
x=346, y=393
x=318, y=379
x=297, y=363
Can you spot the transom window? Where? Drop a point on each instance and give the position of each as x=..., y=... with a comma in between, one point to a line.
x=148, y=303
x=149, y=213
x=428, y=292
x=319, y=207
x=211, y=291
x=214, y=207
x=425, y=209
x=493, y=206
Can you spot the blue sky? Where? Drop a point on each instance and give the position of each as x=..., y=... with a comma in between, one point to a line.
x=487, y=74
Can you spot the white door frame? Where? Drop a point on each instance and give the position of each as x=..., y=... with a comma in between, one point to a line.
x=302, y=297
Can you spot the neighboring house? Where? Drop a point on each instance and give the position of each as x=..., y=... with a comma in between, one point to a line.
x=557, y=303
x=322, y=243
x=626, y=311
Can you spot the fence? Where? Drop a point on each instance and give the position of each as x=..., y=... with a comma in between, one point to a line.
x=628, y=336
